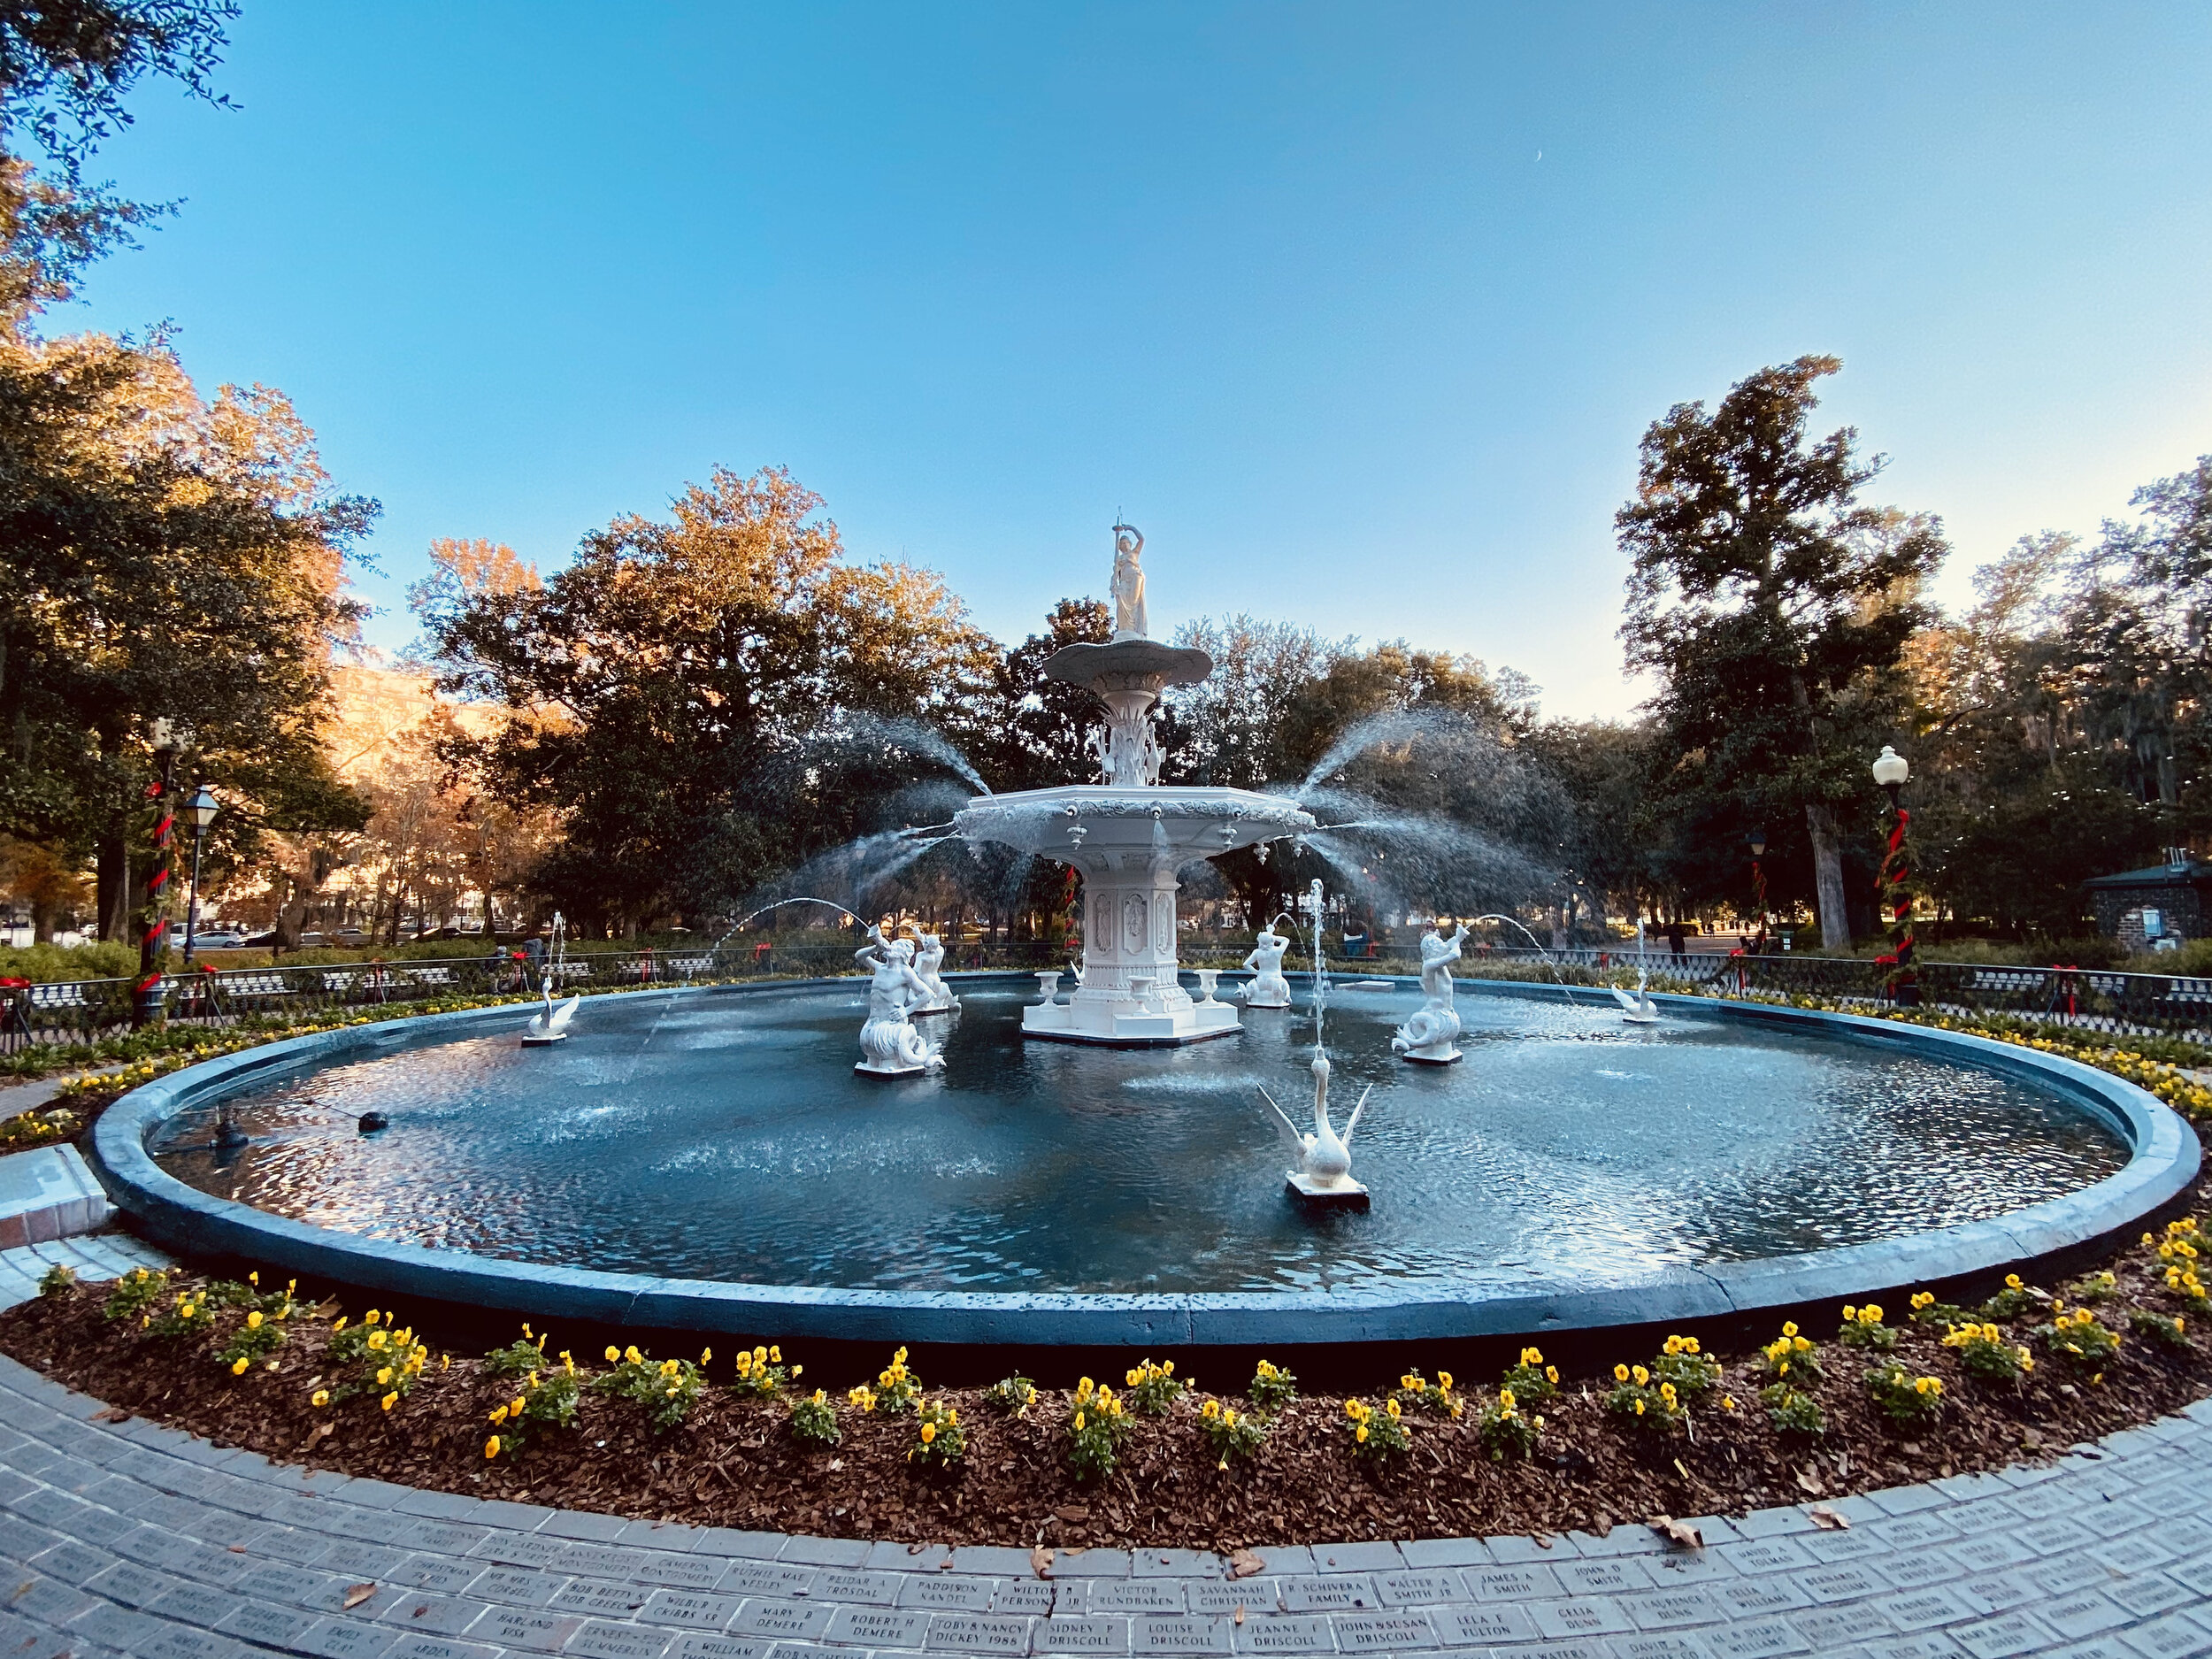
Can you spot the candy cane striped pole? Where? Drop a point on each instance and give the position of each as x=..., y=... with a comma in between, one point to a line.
x=147, y=1003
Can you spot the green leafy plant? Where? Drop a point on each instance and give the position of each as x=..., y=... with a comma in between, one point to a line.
x=814, y=1419
x=58, y=1282
x=1902, y=1397
x=2013, y=1300
x=1644, y=1399
x=1272, y=1388
x=938, y=1437
x=1229, y=1432
x=1791, y=1358
x=1686, y=1364
x=1097, y=1425
x=2167, y=1332
x=2079, y=1338
x=2091, y=1288
x=1793, y=1411
x=374, y=1354
x=526, y=1354
x=549, y=1398
x=665, y=1389
x=1505, y=1429
x=1927, y=1310
x=186, y=1316
x=1435, y=1398
x=1987, y=1352
x=255, y=1337
x=1531, y=1380
x=762, y=1374
x=897, y=1388
x=1013, y=1395
x=1380, y=1435
x=1154, y=1388
x=1863, y=1328
x=131, y=1296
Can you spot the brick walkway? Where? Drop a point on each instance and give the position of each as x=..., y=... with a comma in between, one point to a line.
x=134, y=1538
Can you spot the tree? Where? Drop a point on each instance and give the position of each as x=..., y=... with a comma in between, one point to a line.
x=1773, y=606
x=167, y=556
x=682, y=693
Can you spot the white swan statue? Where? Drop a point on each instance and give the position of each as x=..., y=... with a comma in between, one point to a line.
x=1639, y=1009
x=1324, y=1157
x=551, y=1024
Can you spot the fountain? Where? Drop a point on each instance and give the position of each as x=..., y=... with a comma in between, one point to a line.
x=1324, y=1175
x=1432, y=1036
x=1128, y=834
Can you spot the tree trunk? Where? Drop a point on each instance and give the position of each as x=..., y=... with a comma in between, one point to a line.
x=114, y=902
x=1835, y=914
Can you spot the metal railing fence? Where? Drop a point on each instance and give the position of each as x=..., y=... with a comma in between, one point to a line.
x=87, y=1010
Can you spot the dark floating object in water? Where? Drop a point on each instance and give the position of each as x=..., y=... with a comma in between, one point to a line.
x=370, y=1122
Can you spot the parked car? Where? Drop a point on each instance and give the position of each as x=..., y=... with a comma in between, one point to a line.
x=218, y=939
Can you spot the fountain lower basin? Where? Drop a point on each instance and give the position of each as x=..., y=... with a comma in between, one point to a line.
x=1129, y=843
x=678, y=1166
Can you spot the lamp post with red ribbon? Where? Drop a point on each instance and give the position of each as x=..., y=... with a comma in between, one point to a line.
x=148, y=998
x=1759, y=889
x=1901, y=979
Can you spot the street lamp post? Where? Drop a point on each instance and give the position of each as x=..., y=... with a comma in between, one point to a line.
x=1903, y=980
x=199, y=813
x=148, y=1000
x=1759, y=889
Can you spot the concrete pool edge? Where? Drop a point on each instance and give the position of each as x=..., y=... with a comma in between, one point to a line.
x=2164, y=1156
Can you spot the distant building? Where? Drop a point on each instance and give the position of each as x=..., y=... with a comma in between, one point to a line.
x=2156, y=908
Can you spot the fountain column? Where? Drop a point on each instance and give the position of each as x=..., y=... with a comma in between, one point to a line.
x=1128, y=836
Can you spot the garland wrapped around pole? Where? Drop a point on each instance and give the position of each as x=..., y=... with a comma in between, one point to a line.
x=1901, y=980
x=147, y=1003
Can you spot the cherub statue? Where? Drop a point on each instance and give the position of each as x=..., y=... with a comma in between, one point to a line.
x=1268, y=989
x=1129, y=614
x=889, y=1045
x=929, y=958
x=1432, y=1035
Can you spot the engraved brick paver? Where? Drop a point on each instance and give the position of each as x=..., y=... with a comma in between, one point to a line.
x=133, y=1542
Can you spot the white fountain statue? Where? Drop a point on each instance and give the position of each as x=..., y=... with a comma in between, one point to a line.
x=551, y=1022
x=929, y=958
x=889, y=1045
x=1267, y=988
x=1325, y=1156
x=1130, y=620
x=1640, y=1009
x=1128, y=836
x=1432, y=1036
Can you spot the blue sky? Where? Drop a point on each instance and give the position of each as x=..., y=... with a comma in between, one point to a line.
x=1357, y=311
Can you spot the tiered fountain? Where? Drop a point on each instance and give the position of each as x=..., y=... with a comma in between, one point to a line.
x=1129, y=834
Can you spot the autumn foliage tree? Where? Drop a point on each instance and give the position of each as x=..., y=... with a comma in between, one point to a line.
x=676, y=693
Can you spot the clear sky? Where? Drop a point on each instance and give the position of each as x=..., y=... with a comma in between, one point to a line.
x=1357, y=311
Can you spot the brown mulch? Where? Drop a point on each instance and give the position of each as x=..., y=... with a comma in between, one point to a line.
x=733, y=1463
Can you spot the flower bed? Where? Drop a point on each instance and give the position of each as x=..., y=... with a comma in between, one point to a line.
x=1858, y=1398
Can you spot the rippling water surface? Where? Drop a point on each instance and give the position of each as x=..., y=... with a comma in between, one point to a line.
x=726, y=1137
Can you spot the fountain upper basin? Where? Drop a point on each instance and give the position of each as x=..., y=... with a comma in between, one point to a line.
x=1129, y=842
x=1114, y=822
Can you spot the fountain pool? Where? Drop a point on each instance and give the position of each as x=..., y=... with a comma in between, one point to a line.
x=706, y=1159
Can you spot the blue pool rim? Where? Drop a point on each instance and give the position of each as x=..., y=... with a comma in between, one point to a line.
x=2164, y=1160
